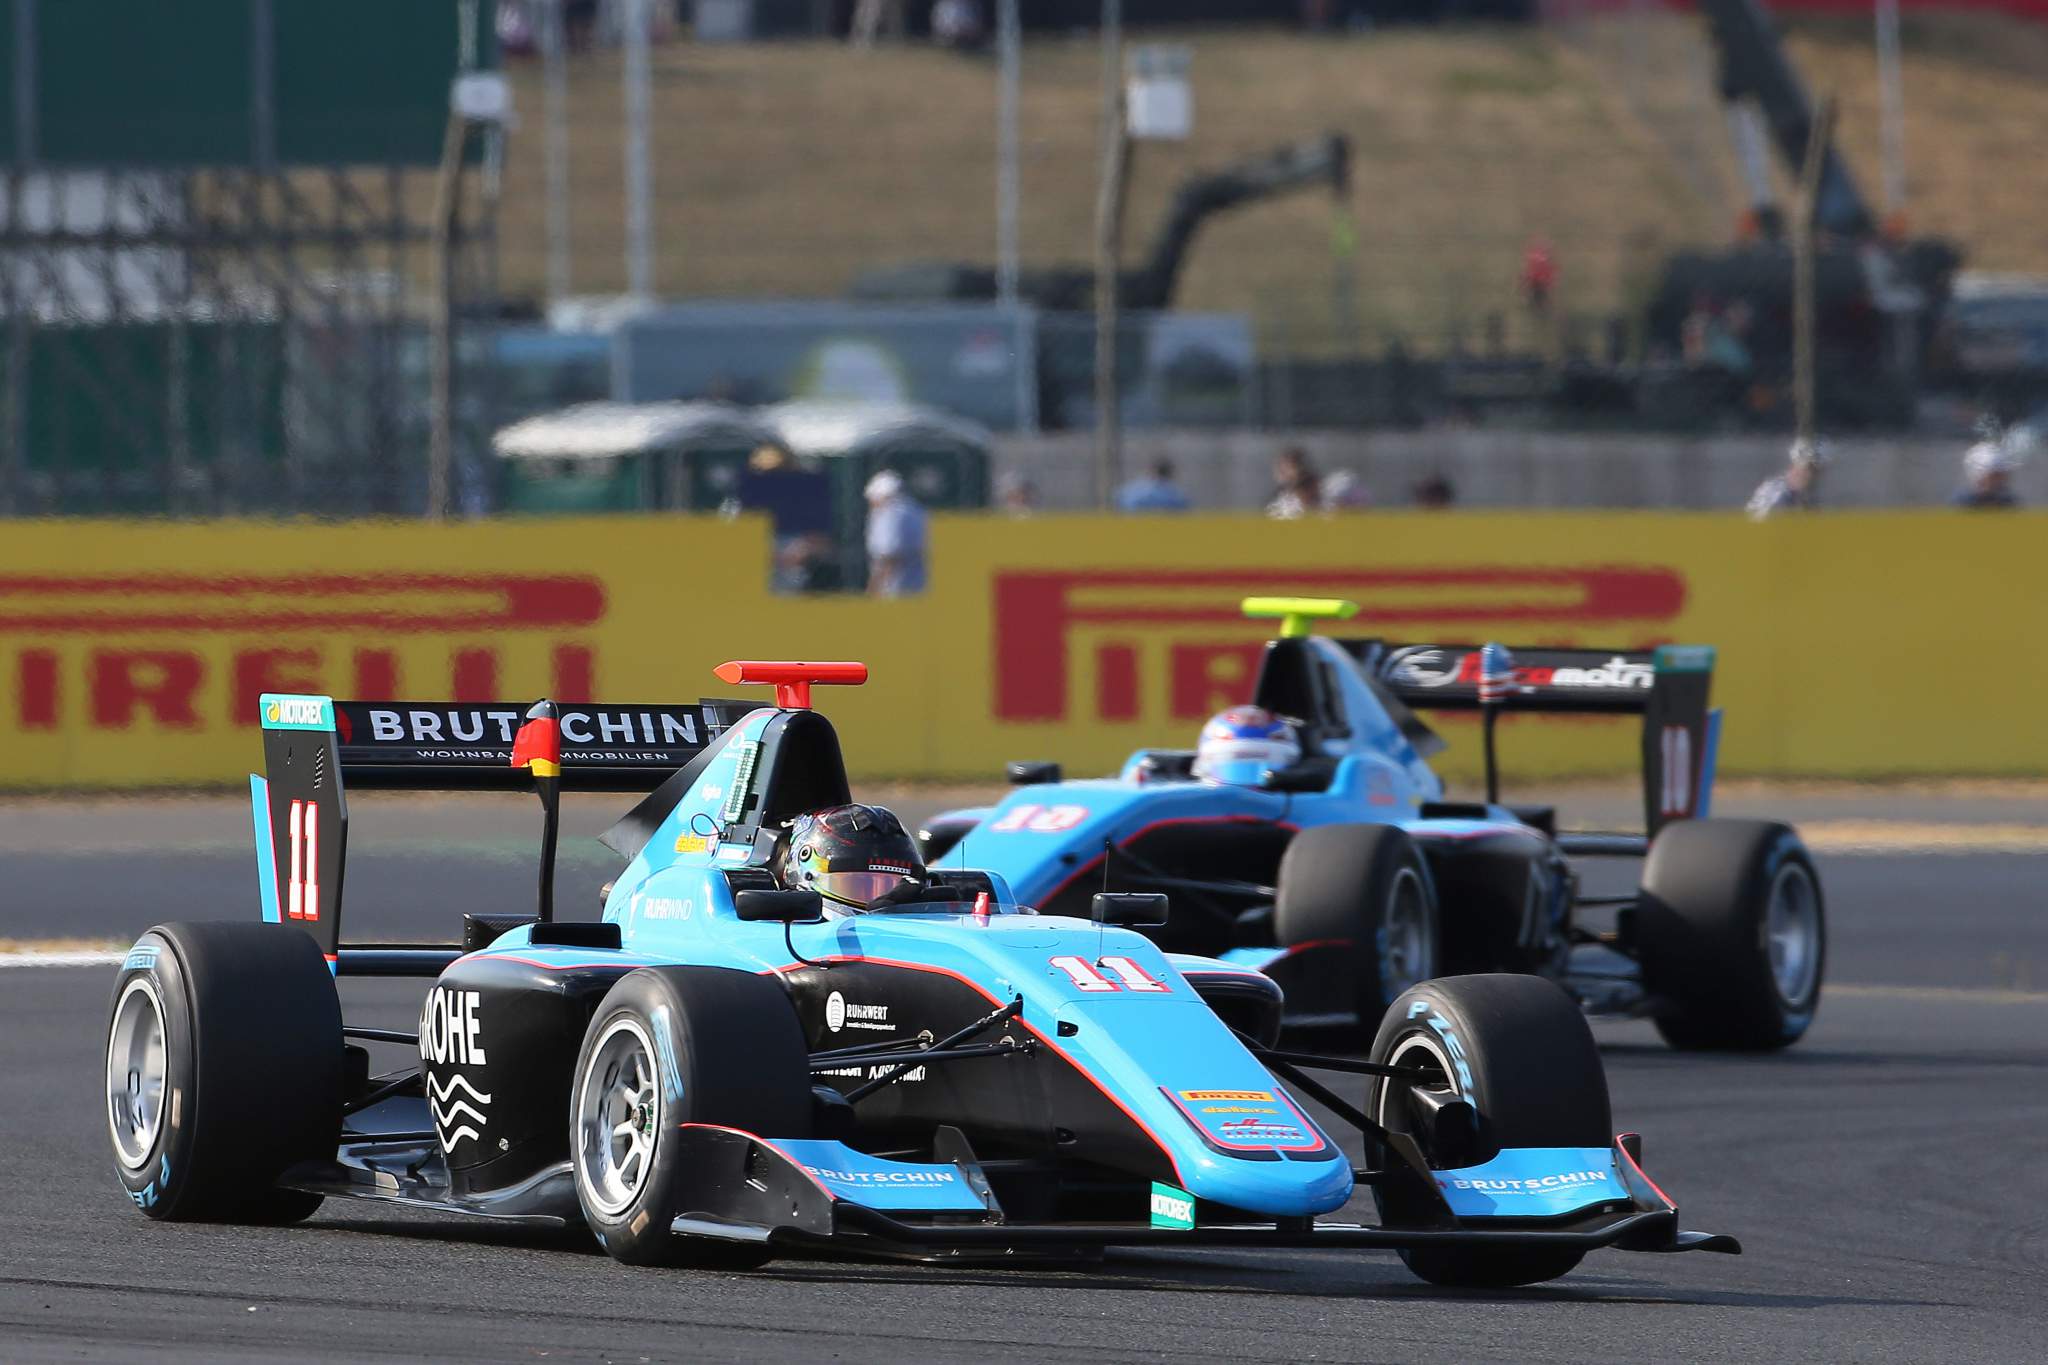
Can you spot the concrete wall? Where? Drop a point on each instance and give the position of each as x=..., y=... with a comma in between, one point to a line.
x=1233, y=469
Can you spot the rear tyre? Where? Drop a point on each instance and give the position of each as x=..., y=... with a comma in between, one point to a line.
x=1535, y=1079
x=671, y=1046
x=1365, y=885
x=1731, y=932
x=224, y=1069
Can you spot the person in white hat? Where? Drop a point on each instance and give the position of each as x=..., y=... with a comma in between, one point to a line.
x=1795, y=490
x=895, y=539
x=1987, y=472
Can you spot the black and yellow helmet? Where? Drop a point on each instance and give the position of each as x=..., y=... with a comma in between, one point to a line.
x=851, y=855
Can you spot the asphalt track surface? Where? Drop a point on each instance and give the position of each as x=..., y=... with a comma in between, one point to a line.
x=1886, y=1176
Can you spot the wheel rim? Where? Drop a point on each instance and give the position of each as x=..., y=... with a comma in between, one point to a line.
x=618, y=1118
x=1395, y=1112
x=1792, y=935
x=1407, y=945
x=137, y=1070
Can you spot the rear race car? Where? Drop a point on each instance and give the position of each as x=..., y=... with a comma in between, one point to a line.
x=1347, y=876
x=717, y=1072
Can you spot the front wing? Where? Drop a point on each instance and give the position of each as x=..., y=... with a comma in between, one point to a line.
x=748, y=1188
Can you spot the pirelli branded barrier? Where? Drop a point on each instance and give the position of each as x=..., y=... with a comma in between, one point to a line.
x=1854, y=644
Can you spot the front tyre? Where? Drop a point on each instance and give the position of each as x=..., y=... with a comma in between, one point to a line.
x=1367, y=886
x=1517, y=1049
x=669, y=1047
x=223, y=1070
x=1731, y=932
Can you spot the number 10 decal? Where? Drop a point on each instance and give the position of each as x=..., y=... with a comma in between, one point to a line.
x=302, y=891
x=1677, y=763
x=1130, y=976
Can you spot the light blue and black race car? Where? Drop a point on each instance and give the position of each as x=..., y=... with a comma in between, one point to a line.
x=729, y=1065
x=1348, y=878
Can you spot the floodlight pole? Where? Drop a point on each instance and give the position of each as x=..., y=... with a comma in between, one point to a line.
x=1820, y=133
x=639, y=167
x=1891, y=104
x=1109, y=214
x=555, y=142
x=1007, y=73
x=447, y=211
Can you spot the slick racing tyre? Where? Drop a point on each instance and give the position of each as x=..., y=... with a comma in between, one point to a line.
x=1365, y=885
x=1517, y=1049
x=671, y=1046
x=1731, y=933
x=224, y=1068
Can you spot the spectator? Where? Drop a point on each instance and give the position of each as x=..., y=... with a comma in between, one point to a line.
x=1795, y=490
x=1539, y=275
x=1016, y=495
x=1987, y=476
x=1726, y=342
x=799, y=502
x=1156, y=492
x=1434, y=492
x=957, y=24
x=1695, y=330
x=579, y=22
x=1342, y=492
x=896, y=538
x=1297, y=490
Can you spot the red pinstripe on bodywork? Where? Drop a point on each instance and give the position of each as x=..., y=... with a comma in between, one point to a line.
x=1142, y=830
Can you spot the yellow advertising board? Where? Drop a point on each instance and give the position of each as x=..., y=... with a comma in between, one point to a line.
x=1852, y=644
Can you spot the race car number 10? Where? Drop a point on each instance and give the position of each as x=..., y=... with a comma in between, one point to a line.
x=1041, y=819
x=1677, y=785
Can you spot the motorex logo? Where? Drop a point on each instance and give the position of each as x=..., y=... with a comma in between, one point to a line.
x=282, y=712
x=1172, y=1207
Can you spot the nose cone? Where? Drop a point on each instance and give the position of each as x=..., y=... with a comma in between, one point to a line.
x=1234, y=1135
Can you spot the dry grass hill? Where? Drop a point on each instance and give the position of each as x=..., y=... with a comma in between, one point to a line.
x=782, y=170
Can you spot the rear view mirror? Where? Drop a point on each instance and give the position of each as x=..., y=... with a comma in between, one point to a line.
x=1132, y=909
x=1032, y=774
x=778, y=907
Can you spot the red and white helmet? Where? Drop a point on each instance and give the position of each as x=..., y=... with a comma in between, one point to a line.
x=1241, y=745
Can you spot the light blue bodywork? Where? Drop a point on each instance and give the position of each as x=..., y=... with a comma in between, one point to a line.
x=1140, y=1048
x=1040, y=837
x=1162, y=1056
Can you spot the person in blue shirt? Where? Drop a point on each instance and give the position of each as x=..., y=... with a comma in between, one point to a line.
x=896, y=538
x=1157, y=492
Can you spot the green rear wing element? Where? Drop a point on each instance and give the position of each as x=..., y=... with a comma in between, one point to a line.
x=1295, y=613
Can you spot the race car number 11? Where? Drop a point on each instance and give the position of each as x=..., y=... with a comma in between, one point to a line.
x=302, y=891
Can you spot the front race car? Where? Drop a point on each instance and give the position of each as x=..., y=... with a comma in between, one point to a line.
x=718, y=1072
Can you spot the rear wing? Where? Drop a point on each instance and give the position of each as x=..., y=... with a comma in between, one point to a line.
x=315, y=748
x=1668, y=686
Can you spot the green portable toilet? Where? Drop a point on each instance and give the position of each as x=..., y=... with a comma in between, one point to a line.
x=943, y=459
x=626, y=457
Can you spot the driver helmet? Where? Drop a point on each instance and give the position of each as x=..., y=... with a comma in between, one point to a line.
x=1241, y=745
x=851, y=855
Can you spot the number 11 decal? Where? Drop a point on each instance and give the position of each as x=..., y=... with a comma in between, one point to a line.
x=1130, y=976
x=302, y=891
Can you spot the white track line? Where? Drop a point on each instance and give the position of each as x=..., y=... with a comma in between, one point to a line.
x=64, y=957
x=1952, y=995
